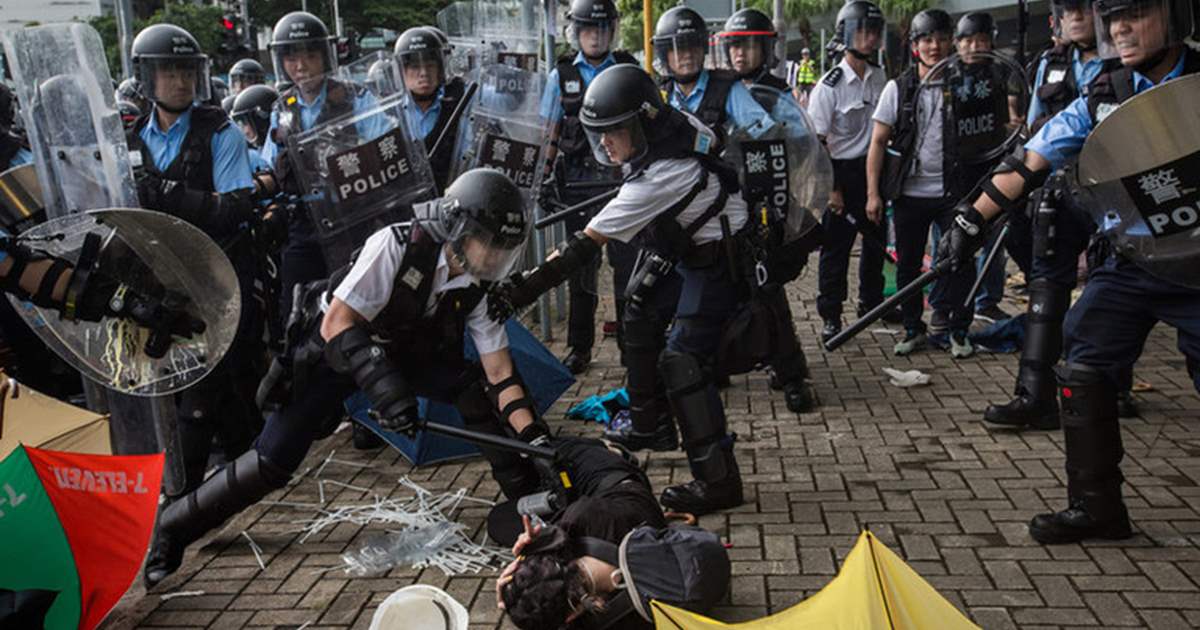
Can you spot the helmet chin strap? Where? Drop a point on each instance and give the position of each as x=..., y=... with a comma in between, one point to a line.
x=173, y=110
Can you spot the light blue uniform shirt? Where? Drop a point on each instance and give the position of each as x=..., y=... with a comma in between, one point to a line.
x=24, y=156
x=257, y=163
x=1062, y=137
x=231, y=161
x=551, y=107
x=1084, y=73
x=421, y=123
x=741, y=108
x=369, y=128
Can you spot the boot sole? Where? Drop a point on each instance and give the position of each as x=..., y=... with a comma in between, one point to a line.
x=1045, y=423
x=1047, y=538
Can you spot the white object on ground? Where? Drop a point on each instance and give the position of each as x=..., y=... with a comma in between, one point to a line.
x=420, y=606
x=909, y=378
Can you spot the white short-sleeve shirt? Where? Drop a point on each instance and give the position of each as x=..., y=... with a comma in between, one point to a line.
x=368, y=288
x=841, y=112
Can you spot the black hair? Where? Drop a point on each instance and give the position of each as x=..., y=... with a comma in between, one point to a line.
x=545, y=588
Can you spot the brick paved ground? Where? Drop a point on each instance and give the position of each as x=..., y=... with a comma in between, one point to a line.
x=915, y=466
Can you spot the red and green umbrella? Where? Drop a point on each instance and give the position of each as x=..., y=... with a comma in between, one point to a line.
x=74, y=529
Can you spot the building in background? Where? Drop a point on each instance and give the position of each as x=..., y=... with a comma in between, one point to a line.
x=18, y=13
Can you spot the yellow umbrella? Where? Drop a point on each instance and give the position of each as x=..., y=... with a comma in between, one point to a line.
x=30, y=417
x=875, y=589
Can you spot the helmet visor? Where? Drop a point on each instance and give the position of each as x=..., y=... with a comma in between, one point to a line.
x=488, y=253
x=863, y=34
x=745, y=52
x=175, y=82
x=1134, y=31
x=241, y=81
x=423, y=71
x=618, y=143
x=680, y=56
x=593, y=39
x=1073, y=21
x=303, y=61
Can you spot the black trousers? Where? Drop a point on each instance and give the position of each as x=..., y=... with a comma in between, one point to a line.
x=850, y=177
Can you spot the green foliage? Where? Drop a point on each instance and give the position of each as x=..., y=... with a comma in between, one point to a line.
x=203, y=22
x=359, y=16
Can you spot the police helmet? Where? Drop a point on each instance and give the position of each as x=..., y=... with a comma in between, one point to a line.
x=1180, y=20
x=975, y=23
x=167, y=47
x=621, y=98
x=418, y=47
x=928, y=22
x=855, y=17
x=253, y=107
x=601, y=15
x=482, y=216
x=129, y=114
x=244, y=73
x=679, y=29
x=380, y=79
x=748, y=28
x=130, y=90
x=227, y=103
x=218, y=90
x=298, y=32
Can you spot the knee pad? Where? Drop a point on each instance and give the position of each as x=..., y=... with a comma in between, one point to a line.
x=642, y=331
x=1048, y=303
x=700, y=415
x=1087, y=395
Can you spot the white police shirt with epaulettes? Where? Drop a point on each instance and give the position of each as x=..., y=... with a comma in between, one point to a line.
x=368, y=288
x=841, y=106
x=659, y=187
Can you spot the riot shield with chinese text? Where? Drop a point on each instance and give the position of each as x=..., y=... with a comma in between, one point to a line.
x=502, y=127
x=979, y=94
x=1139, y=176
x=359, y=171
x=782, y=164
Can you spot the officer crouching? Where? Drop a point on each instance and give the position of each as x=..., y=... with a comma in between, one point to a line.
x=680, y=204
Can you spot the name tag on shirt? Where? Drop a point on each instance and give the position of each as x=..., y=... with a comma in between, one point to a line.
x=1056, y=76
x=572, y=87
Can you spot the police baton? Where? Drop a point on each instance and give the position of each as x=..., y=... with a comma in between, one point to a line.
x=868, y=239
x=487, y=439
x=551, y=219
x=987, y=264
x=912, y=288
x=454, y=116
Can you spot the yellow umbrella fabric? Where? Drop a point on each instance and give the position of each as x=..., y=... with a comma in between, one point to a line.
x=33, y=418
x=874, y=590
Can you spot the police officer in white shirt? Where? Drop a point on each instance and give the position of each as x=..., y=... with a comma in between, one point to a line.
x=680, y=204
x=841, y=106
x=393, y=327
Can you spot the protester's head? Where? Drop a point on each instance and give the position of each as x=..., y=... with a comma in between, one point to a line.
x=547, y=592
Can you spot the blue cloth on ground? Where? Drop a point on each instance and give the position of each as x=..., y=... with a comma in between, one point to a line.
x=601, y=407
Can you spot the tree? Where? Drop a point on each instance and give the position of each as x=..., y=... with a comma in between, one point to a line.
x=203, y=22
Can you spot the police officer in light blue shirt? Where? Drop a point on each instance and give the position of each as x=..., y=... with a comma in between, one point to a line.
x=716, y=98
x=1107, y=327
x=195, y=165
x=577, y=175
x=303, y=54
x=1063, y=72
x=433, y=97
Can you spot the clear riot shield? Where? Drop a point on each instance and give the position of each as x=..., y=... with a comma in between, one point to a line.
x=360, y=171
x=782, y=164
x=1141, y=181
x=457, y=21
x=378, y=72
x=503, y=128
x=512, y=31
x=148, y=251
x=75, y=130
x=979, y=96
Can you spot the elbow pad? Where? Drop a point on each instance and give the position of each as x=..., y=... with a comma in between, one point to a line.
x=354, y=353
x=1030, y=181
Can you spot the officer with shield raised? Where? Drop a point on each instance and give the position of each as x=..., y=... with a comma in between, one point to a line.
x=679, y=203
x=421, y=55
x=747, y=47
x=417, y=287
x=1141, y=190
x=577, y=175
x=195, y=165
x=303, y=54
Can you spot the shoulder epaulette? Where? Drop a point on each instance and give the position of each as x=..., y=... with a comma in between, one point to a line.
x=832, y=77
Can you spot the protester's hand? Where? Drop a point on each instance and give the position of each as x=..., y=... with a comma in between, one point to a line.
x=837, y=203
x=875, y=208
x=531, y=532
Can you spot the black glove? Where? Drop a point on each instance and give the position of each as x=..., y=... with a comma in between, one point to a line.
x=272, y=226
x=962, y=241
x=401, y=416
x=501, y=305
x=165, y=316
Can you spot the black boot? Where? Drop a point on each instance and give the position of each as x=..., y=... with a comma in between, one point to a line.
x=242, y=483
x=578, y=360
x=663, y=438
x=363, y=438
x=1035, y=405
x=798, y=396
x=709, y=447
x=1127, y=405
x=1092, y=438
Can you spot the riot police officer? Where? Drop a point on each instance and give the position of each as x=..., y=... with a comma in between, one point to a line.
x=252, y=112
x=841, y=106
x=303, y=55
x=194, y=164
x=1063, y=73
x=130, y=90
x=717, y=98
x=1107, y=327
x=680, y=204
x=473, y=234
x=747, y=46
x=245, y=73
x=577, y=175
x=422, y=59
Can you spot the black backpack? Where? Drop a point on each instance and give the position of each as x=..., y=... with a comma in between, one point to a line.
x=899, y=154
x=686, y=567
